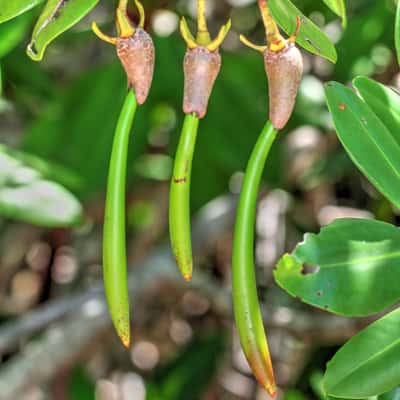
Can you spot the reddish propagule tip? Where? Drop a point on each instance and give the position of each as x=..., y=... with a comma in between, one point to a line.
x=187, y=277
x=126, y=343
x=137, y=55
x=201, y=68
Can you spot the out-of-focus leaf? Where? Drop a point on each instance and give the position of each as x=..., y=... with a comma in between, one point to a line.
x=310, y=36
x=368, y=364
x=371, y=146
x=294, y=395
x=397, y=31
x=373, y=26
x=383, y=101
x=12, y=8
x=338, y=7
x=27, y=197
x=49, y=170
x=330, y=169
x=356, y=265
x=12, y=32
x=81, y=386
x=56, y=18
x=189, y=374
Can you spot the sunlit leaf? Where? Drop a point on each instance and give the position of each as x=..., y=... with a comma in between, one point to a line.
x=352, y=259
x=12, y=8
x=12, y=32
x=56, y=18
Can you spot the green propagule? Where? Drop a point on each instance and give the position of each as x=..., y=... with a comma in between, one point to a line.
x=202, y=65
x=135, y=49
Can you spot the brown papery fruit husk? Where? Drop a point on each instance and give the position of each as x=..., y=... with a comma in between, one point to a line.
x=201, y=67
x=137, y=56
x=284, y=71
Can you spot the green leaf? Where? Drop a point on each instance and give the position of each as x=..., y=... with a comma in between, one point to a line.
x=357, y=267
x=366, y=139
x=190, y=373
x=397, y=31
x=384, y=102
x=26, y=196
x=12, y=8
x=392, y=395
x=310, y=36
x=338, y=7
x=368, y=364
x=56, y=18
x=12, y=33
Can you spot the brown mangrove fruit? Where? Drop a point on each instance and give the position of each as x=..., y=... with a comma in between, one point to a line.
x=202, y=63
x=135, y=50
x=283, y=65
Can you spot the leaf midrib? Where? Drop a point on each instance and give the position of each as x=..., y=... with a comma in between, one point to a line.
x=388, y=256
x=379, y=353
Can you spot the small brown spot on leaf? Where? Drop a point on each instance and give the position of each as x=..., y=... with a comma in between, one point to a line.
x=342, y=106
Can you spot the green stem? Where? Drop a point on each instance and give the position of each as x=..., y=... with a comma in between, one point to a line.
x=114, y=246
x=179, y=208
x=246, y=305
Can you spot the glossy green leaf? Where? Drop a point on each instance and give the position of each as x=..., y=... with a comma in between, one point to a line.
x=368, y=364
x=397, y=31
x=383, y=101
x=310, y=36
x=353, y=258
x=338, y=7
x=25, y=195
x=56, y=18
x=369, y=143
x=12, y=32
x=12, y=8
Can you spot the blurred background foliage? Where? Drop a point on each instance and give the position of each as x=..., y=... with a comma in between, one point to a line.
x=63, y=111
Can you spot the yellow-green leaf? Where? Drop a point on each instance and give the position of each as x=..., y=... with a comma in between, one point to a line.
x=56, y=18
x=310, y=36
x=12, y=8
x=338, y=7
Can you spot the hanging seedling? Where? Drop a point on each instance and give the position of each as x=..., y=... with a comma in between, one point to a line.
x=136, y=51
x=283, y=65
x=202, y=64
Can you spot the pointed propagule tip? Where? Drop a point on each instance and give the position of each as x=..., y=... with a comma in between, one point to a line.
x=188, y=277
x=271, y=389
x=126, y=340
